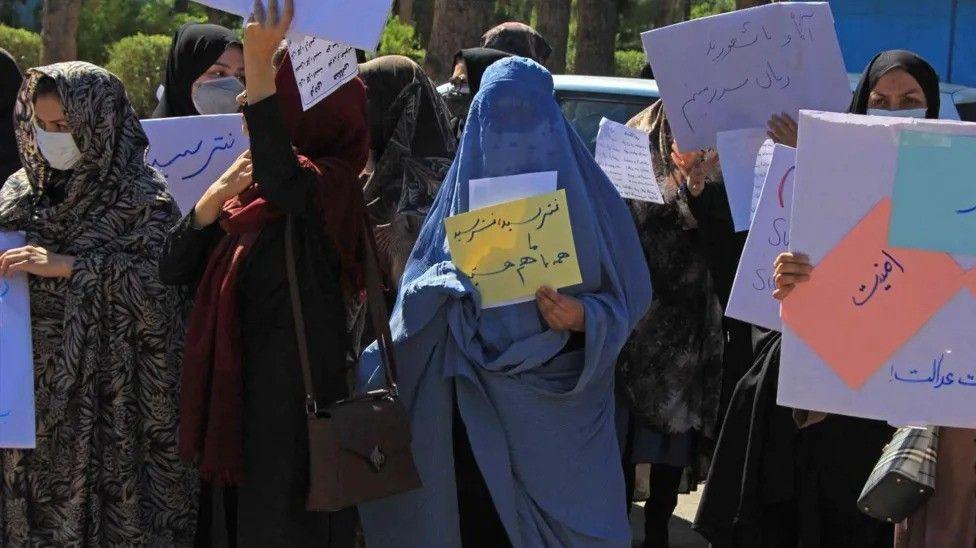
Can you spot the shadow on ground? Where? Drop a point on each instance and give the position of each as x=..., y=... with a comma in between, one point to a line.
x=681, y=534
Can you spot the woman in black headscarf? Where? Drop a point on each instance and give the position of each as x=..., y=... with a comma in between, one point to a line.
x=469, y=66
x=518, y=39
x=784, y=477
x=203, y=72
x=10, y=79
x=412, y=146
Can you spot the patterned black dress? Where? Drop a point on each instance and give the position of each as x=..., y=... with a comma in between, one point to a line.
x=107, y=340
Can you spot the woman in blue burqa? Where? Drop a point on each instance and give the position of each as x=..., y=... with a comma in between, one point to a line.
x=512, y=407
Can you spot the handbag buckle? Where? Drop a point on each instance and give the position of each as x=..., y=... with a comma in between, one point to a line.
x=377, y=459
x=311, y=406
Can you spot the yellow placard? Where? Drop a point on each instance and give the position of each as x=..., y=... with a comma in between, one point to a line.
x=510, y=250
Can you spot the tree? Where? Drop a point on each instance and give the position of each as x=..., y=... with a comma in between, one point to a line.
x=668, y=12
x=742, y=4
x=405, y=9
x=457, y=24
x=181, y=6
x=553, y=24
x=59, y=31
x=596, y=36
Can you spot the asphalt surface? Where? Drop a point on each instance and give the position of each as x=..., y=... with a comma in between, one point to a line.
x=681, y=534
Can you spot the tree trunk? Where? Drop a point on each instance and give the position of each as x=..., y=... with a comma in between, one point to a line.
x=457, y=24
x=596, y=36
x=181, y=6
x=553, y=25
x=668, y=12
x=59, y=31
x=742, y=4
x=405, y=10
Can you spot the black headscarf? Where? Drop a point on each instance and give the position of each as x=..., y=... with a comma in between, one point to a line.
x=518, y=39
x=414, y=146
x=478, y=60
x=10, y=80
x=195, y=48
x=911, y=63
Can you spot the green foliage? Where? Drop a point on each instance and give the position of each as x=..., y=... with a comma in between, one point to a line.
x=704, y=8
x=104, y=22
x=399, y=39
x=24, y=45
x=139, y=62
x=628, y=63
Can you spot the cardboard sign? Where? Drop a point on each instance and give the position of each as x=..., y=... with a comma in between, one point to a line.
x=752, y=299
x=321, y=67
x=512, y=249
x=624, y=153
x=877, y=330
x=735, y=70
x=193, y=152
x=17, y=425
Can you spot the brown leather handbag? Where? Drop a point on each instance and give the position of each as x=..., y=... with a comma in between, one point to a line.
x=358, y=448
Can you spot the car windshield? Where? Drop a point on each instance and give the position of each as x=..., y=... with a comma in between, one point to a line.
x=585, y=113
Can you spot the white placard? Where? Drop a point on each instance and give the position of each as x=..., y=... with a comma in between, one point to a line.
x=752, y=291
x=321, y=67
x=17, y=424
x=498, y=190
x=738, y=151
x=358, y=23
x=624, y=154
x=879, y=331
x=193, y=151
x=735, y=70
x=763, y=159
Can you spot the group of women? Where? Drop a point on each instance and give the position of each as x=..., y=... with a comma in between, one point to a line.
x=170, y=403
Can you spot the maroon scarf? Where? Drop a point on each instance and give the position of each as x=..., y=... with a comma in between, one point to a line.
x=331, y=141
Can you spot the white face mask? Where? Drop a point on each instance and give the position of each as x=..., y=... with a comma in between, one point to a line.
x=908, y=113
x=218, y=96
x=59, y=149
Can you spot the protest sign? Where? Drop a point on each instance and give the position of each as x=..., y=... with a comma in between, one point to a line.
x=735, y=70
x=941, y=218
x=192, y=152
x=738, y=152
x=625, y=155
x=875, y=331
x=497, y=190
x=321, y=67
x=763, y=160
x=511, y=249
x=16, y=356
x=358, y=23
x=752, y=299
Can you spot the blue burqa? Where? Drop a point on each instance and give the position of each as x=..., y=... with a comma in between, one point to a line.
x=540, y=418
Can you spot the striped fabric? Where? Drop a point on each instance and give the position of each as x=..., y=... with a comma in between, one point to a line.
x=904, y=477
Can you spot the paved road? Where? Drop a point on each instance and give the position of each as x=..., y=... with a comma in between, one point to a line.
x=681, y=534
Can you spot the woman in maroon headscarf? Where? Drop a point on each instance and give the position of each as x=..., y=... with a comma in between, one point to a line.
x=243, y=403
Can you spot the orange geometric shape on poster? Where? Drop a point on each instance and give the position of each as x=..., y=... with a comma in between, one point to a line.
x=866, y=299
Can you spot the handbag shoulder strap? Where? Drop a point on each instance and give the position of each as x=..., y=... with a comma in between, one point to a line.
x=378, y=312
x=311, y=405
x=376, y=308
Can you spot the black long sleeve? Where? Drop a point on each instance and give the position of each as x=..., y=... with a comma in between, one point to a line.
x=185, y=252
x=283, y=181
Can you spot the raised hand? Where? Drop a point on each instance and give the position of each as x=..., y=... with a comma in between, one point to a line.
x=782, y=129
x=263, y=35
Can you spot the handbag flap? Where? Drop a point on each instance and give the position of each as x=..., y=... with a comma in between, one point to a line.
x=364, y=425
